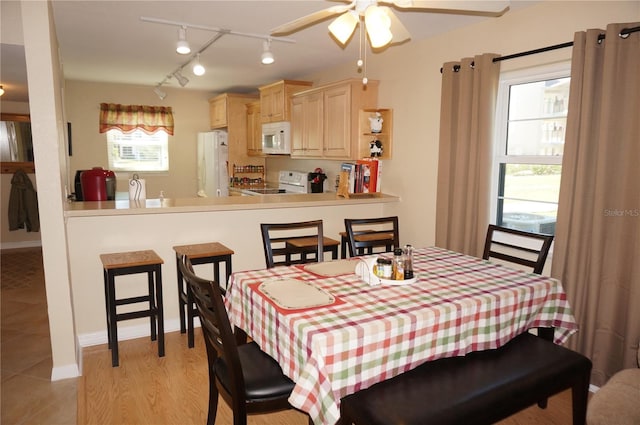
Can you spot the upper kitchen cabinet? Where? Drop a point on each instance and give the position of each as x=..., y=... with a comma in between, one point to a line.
x=336, y=106
x=224, y=108
x=275, y=99
x=229, y=111
x=307, y=134
x=254, y=129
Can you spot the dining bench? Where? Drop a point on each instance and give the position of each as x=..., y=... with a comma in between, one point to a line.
x=482, y=387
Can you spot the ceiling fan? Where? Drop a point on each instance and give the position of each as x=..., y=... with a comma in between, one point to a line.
x=381, y=24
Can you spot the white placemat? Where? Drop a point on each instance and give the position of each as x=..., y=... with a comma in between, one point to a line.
x=332, y=268
x=293, y=294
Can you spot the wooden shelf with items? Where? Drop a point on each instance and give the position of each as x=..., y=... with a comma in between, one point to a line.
x=368, y=138
x=248, y=176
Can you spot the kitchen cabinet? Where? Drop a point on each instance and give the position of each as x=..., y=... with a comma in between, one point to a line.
x=254, y=129
x=224, y=108
x=325, y=120
x=275, y=99
x=385, y=137
x=228, y=111
x=307, y=135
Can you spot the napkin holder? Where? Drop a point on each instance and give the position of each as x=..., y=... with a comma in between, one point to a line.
x=364, y=270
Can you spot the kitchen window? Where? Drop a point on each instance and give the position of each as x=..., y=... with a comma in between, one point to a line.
x=531, y=120
x=138, y=151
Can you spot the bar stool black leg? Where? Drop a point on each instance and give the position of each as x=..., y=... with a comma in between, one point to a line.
x=113, y=322
x=159, y=310
x=182, y=307
x=153, y=310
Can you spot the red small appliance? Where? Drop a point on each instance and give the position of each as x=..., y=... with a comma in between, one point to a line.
x=98, y=184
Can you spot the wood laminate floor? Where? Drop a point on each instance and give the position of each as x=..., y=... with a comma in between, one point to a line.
x=144, y=389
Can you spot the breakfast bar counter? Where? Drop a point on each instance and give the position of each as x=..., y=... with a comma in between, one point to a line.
x=226, y=203
x=102, y=227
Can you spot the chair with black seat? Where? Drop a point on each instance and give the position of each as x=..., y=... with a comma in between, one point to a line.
x=296, y=243
x=369, y=235
x=517, y=247
x=248, y=379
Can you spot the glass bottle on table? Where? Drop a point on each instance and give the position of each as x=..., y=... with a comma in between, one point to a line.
x=408, y=261
x=398, y=264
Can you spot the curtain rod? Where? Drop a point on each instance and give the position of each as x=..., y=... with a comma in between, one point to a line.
x=623, y=34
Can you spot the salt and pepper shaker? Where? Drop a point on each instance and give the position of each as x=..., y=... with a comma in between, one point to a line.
x=398, y=264
x=407, y=254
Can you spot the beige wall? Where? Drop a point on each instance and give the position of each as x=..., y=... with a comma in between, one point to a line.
x=89, y=147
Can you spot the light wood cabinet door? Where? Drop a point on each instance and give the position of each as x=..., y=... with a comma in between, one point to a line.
x=275, y=99
x=272, y=103
x=254, y=129
x=337, y=122
x=307, y=130
x=218, y=112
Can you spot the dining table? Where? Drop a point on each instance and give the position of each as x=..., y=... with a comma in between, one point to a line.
x=335, y=328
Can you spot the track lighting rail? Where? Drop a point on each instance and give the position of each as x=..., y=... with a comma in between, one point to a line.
x=220, y=32
x=214, y=29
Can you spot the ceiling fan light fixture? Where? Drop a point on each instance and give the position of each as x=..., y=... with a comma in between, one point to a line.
x=267, y=57
x=343, y=26
x=182, y=46
x=378, y=24
x=198, y=69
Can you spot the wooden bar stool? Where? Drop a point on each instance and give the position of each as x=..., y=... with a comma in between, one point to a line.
x=133, y=262
x=204, y=253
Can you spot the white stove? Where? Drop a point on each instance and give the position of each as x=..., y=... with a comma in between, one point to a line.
x=293, y=181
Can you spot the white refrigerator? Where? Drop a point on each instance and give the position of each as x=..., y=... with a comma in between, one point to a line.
x=213, y=160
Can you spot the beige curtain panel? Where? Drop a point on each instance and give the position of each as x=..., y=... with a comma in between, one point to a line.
x=597, y=246
x=465, y=157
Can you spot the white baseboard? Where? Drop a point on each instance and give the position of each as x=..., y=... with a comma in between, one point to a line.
x=18, y=245
x=65, y=372
x=127, y=332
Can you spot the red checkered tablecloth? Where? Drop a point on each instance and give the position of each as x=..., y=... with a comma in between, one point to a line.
x=459, y=304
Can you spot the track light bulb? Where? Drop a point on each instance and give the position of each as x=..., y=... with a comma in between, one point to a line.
x=267, y=56
x=198, y=69
x=182, y=46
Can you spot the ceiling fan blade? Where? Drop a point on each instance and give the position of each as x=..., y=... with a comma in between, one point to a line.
x=399, y=31
x=476, y=8
x=305, y=21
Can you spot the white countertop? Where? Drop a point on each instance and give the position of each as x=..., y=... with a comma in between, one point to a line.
x=227, y=203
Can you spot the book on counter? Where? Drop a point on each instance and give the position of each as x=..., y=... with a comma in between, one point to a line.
x=364, y=175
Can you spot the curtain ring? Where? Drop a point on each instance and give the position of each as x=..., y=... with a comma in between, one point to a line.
x=624, y=34
x=473, y=65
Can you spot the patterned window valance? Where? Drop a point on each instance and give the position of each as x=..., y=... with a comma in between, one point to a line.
x=128, y=118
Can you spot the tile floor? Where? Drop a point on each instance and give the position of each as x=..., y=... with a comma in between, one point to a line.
x=27, y=394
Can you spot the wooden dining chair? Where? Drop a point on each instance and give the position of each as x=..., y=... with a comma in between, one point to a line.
x=369, y=235
x=517, y=247
x=248, y=379
x=296, y=243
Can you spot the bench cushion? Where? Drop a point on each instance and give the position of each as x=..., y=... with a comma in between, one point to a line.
x=479, y=388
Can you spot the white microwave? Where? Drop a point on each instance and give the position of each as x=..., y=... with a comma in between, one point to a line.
x=276, y=138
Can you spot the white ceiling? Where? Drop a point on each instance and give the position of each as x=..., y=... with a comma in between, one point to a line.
x=107, y=41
